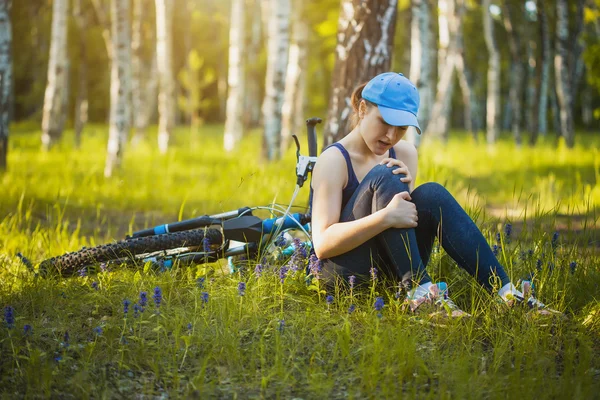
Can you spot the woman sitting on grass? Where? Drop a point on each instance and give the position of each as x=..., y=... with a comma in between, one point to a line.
x=366, y=213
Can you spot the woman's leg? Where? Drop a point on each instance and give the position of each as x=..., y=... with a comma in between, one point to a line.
x=394, y=250
x=460, y=237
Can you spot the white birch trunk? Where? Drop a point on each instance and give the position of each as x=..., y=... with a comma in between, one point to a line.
x=57, y=70
x=164, y=54
x=6, y=79
x=277, y=59
x=120, y=85
x=421, y=72
x=439, y=125
x=137, y=67
x=234, y=126
x=493, y=76
x=292, y=110
x=364, y=47
x=81, y=103
x=516, y=75
x=545, y=69
x=563, y=81
x=253, y=75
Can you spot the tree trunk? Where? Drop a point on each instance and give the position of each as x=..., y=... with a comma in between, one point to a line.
x=464, y=75
x=563, y=79
x=587, y=110
x=120, y=85
x=138, y=101
x=421, y=72
x=366, y=31
x=576, y=64
x=449, y=22
x=234, y=126
x=493, y=76
x=57, y=70
x=81, y=102
x=164, y=53
x=253, y=90
x=516, y=75
x=544, y=71
x=277, y=59
x=531, y=94
x=6, y=79
x=293, y=103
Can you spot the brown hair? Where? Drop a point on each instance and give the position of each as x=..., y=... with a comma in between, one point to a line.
x=355, y=101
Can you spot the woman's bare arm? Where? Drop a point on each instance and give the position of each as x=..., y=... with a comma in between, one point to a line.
x=407, y=153
x=331, y=237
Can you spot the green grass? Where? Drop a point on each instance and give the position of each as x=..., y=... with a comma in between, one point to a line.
x=237, y=347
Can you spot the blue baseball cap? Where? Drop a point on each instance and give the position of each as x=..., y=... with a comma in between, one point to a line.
x=396, y=97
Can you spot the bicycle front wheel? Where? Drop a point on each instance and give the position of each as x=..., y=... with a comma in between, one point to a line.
x=71, y=263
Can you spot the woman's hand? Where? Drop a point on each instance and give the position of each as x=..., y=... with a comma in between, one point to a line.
x=400, y=212
x=390, y=162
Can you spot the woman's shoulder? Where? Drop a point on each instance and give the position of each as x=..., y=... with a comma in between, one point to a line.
x=404, y=148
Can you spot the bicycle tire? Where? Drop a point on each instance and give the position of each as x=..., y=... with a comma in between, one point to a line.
x=71, y=263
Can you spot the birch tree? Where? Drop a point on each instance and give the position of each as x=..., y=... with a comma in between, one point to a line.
x=234, y=127
x=54, y=98
x=164, y=53
x=448, y=20
x=81, y=102
x=421, y=72
x=277, y=58
x=544, y=71
x=120, y=85
x=493, y=76
x=516, y=72
x=295, y=81
x=253, y=95
x=6, y=79
x=143, y=72
x=563, y=80
x=365, y=38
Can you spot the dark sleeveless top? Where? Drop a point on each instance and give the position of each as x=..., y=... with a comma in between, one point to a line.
x=353, y=183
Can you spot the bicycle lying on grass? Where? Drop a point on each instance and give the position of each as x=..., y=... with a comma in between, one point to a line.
x=204, y=239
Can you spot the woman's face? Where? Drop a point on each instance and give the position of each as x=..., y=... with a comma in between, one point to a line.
x=377, y=134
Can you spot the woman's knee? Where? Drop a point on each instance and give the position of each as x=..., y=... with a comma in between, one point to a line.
x=429, y=190
x=382, y=175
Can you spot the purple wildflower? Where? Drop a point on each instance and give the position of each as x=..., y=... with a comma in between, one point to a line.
x=157, y=296
x=554, y=242
x=98, y=330
x=258, y=270
x=82, y=272
x=329, y=299
x=352, y=281
x=507, y=232
x=498, y=238
x=200, y=282
x=126, y=304
x=539, y=264
x=95, y=285
x=66, y=339
x=9, y=316
x=300, y=249
x=204, y=297
x=103, y=267
x=351, y=308
x=314, y=265
x=143, y=300
x=495, y=250
x=136, y=310
x=373, y=273
x=281, y=325
x=280, y=241
x=379, y=304
x=242, y=288
x=206, y=244
x=27, y=330
x=283, y=273
x=573, y=266
x=189, y=327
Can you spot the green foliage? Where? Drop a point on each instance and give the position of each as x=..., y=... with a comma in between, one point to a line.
x=237, y=346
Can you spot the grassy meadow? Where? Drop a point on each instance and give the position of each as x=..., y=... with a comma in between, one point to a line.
x=194, y=335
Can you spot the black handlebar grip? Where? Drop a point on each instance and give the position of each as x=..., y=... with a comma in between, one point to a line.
x=312, y=135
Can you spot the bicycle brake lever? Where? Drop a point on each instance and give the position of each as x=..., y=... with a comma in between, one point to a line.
x=297, y=146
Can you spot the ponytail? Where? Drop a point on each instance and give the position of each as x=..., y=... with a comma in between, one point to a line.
x=355, y=101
